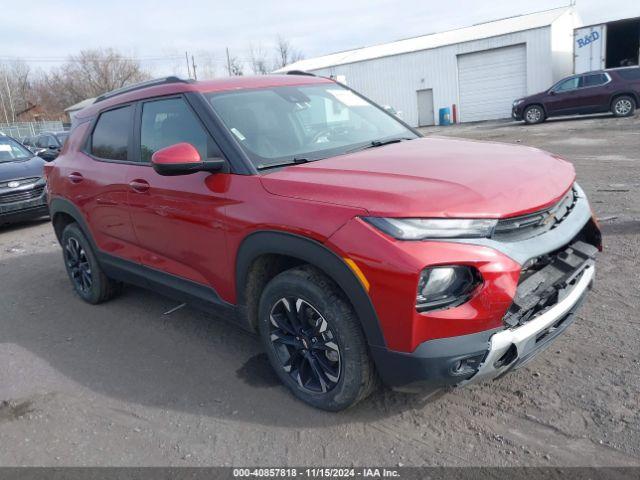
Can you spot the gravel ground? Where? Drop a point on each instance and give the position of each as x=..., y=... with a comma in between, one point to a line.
x=125, y=384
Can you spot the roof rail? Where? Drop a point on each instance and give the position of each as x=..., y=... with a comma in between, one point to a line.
x=138, y=86
x=300, y=72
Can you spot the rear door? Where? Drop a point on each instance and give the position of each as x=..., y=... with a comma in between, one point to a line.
x=594, y=92
x=95, y=181
x=179, y=220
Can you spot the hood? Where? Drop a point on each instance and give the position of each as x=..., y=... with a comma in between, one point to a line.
x=32, y=167
x=432, y=177
x=535, y=96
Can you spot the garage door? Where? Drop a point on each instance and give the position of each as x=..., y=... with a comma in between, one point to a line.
x=489, y=82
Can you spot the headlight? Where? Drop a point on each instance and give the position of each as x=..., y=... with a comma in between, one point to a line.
x=445, y=287
x=424, y=228
x=518, y=102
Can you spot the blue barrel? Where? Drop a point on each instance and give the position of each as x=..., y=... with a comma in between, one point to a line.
x=445, y=116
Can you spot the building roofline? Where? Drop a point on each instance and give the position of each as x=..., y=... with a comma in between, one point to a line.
x=344, y=56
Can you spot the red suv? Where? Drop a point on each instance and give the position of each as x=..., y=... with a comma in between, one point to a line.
x=357, y=249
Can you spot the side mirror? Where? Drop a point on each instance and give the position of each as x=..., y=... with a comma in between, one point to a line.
x=552, y=92
x=183, y=159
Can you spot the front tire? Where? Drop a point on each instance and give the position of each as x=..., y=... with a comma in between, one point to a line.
x=88, y=280
x=533, y=114
x=314, y=340
x=623, y=106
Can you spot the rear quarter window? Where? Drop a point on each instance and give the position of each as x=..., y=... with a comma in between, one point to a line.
x=110, y=139
x=631, y=74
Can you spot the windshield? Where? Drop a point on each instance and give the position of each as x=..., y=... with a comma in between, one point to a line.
x=62, y=137
x=291, y=124
x=10, y=150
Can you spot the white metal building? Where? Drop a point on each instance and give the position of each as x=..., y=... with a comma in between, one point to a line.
x=481, y=69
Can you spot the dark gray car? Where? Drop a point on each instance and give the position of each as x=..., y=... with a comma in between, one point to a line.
x=22, y=183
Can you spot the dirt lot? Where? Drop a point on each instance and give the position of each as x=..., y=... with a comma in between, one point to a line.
x=125, y=384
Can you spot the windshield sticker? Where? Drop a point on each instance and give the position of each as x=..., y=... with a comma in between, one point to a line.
x=348, y=98
x=5, y=148
x=237, y=133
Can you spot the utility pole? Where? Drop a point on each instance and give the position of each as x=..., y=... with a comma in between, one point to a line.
x=186, y=57
x=228, y=62
x=193, y=64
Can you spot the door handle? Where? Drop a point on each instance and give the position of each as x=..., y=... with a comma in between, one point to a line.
x=75, y=177
x=139, y=185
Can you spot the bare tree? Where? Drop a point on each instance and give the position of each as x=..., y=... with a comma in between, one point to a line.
x=286, y=54
x=206, y=65
x=258, y=59
x=88, y=74
x=234, y=65
x=15, y=89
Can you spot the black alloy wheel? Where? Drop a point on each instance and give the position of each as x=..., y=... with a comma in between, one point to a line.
x=78, y=265
x=87, y=277
x=305, y=345
x=314, y=339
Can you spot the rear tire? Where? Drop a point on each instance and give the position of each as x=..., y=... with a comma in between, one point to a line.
x=623, y=106
x=88, y=280
x=533, y=114
x=314, y=340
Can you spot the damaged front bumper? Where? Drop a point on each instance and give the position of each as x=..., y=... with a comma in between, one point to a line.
x=558, y=269
x=512, y=348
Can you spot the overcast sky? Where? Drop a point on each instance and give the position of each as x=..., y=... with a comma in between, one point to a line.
x=159, y=31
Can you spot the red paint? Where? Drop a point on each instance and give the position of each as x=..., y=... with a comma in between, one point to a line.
x=178, y=153
x=432, y=177
x=454, y=110
x=192, y=226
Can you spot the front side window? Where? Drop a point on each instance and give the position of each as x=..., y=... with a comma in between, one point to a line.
x=110, y=138
x=594, y=80
x=10, y=150
x=171, y=121
x=286, y=124
x=566, y=85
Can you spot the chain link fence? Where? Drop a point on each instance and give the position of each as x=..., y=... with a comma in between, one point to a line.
x=19, y=130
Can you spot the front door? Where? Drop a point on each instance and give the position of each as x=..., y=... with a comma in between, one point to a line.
x=564, y=98
x=178, y=220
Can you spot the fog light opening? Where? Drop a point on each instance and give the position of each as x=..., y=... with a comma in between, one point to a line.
x=466, y=366
x=509, y=356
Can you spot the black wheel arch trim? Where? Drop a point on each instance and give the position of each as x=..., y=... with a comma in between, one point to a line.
x=61, y=205
x=314, y=253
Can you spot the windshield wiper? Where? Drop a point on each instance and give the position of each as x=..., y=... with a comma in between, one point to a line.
x=293, y=161
x=378, y=143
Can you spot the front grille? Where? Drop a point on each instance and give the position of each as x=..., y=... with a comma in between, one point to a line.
x=20, y=181
x=534, y=224
x=12, y=197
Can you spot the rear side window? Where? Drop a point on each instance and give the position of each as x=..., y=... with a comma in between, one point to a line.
x=171, y=121
x=594, y=80
x=630, y=74
x=110, y=138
